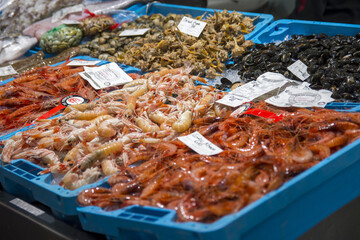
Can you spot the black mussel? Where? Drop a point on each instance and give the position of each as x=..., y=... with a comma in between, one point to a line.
x=225, y=82
x=333, y=62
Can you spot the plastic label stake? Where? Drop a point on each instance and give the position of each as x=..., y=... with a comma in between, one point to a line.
x=299, y=69
x=191, y=26
x=77, y=62
x=7, y=70
x=134, y=32
x=200, y=144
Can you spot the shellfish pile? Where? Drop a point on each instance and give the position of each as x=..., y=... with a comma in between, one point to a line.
x=165, y=46
x=259, y=155
x=332, y=62
x=97, y=138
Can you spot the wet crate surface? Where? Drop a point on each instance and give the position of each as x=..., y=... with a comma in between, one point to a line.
x=283, y=29
x=263, y=21
x=285, y=213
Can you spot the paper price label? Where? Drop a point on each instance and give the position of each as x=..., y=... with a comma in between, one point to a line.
x=233, y=100
x=301, y=96
x=299, y=69
x=105, y=76
x=7, y=70
x=191, y=26
x=26, y=206
x=58, y=15
x=82, y=63
x=265, y=83
x=200, y=144
x=134, y=32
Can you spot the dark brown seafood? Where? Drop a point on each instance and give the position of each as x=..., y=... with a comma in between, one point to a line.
x=258, y=156
x=165, y=46
x=333, y=62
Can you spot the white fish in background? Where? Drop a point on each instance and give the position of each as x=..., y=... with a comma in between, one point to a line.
x=20, y=13
x=14, y=47
x=40, y=27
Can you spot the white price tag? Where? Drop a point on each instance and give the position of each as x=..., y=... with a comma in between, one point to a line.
x=233, y=100
x=301, y=96
x=191, y=26
x=134, y=32
x=200, y=144
x=265, y=83
x=82, y=63
x=105, y=76
x=7, y=70
x=58, y=15
x=26, y=206
x=299, y=69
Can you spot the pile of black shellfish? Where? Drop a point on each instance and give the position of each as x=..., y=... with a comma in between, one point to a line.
x=333, y=62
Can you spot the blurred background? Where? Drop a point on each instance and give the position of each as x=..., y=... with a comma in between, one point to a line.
x=342, y=11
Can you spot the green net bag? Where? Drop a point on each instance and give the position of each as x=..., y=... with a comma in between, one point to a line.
x=60, y=38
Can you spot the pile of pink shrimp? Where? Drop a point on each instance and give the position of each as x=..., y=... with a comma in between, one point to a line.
x=258, y=156
x=94, y=139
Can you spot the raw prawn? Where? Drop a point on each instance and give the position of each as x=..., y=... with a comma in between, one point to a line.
x=184, y=122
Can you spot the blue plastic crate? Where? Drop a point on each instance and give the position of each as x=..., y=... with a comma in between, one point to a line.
x=285, y=213
x=263, y=21
x=21, y=179
x=344, y=106
x=283, y=29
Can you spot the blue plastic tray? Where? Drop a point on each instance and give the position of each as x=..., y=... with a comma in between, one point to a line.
x=20, y=176
x=285, y=213
x=263, y=21
x=283, y=29
x=344, y=106
x=21, y=179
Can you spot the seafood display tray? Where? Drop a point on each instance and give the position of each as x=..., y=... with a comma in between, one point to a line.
x=285, y=213
x=344, y=106
x=263, y=21
x=288, y=211
x=283, y=29
x=21, y=179
x=126, y=68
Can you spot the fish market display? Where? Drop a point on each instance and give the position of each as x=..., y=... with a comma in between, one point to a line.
x=33, y=93
x=14, y=47
x=20, y=14
x=37, y=60
x=95, y=139
x=165, y=46
x=332, y=62
x=258, y=156
x=38, y=28
x=105, y=7
x=60, y=38
x=20, y=64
